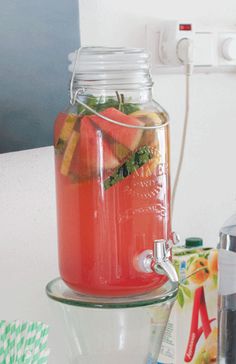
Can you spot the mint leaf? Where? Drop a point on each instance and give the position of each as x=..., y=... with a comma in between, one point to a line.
x=134, y=162
x=100, y=104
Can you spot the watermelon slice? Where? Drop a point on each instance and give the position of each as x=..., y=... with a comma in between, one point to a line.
x=150, y=138
x=93, y=153
x=130, y=138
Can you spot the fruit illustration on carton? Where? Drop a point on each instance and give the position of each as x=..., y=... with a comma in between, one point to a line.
x=199, y=271
x=200, y=267
x=195, y=341
x=208, y=352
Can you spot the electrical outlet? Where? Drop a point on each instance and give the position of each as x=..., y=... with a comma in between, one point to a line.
x=171, y=34
x=214, y=47
x=227, y=48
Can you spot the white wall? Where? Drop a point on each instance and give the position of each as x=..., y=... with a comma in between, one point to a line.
x=207, y=189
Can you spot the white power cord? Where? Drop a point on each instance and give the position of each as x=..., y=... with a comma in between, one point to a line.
x=185, y=53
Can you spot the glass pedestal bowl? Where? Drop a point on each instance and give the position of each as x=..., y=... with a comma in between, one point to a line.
x=113, y=330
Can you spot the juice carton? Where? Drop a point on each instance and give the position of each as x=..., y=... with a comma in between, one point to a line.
x=191, y=333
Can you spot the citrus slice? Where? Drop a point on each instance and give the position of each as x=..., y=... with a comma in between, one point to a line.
x=66, y=130
x=69, y=152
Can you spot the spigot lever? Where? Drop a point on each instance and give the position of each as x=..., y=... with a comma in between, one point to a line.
x=161, y=262
x=158, y=260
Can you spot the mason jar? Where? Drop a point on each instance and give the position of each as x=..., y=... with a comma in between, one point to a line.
x=112, y=174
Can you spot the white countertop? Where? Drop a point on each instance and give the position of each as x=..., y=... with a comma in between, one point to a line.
x=28, y=240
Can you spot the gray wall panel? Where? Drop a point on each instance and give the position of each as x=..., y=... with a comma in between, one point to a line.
x=35, y=39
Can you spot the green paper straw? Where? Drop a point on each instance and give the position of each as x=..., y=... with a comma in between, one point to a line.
x=23, y=342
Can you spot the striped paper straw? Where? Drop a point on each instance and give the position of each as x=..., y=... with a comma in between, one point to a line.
x=23, y=342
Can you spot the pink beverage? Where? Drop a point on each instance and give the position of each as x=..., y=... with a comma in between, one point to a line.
x=113, y=199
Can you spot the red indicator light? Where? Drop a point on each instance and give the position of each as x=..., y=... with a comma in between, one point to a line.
x=185, y=27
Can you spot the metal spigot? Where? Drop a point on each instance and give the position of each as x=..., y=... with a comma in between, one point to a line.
x=158, y=260
x=161, y=262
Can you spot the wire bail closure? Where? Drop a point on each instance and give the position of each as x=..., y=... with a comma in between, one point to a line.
x=74, y=97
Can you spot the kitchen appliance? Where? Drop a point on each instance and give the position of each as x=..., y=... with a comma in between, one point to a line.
x=227, y=293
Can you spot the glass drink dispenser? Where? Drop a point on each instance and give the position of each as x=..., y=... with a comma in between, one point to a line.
x=112, y=177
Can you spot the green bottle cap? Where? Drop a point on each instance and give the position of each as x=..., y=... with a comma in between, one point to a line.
x=193, y=242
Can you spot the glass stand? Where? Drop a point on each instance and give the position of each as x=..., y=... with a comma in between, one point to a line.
x=102, y=330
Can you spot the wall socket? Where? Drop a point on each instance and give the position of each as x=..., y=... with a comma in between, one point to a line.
x=214, y=47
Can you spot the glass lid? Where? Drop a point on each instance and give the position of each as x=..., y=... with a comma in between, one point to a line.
x=58, y=291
